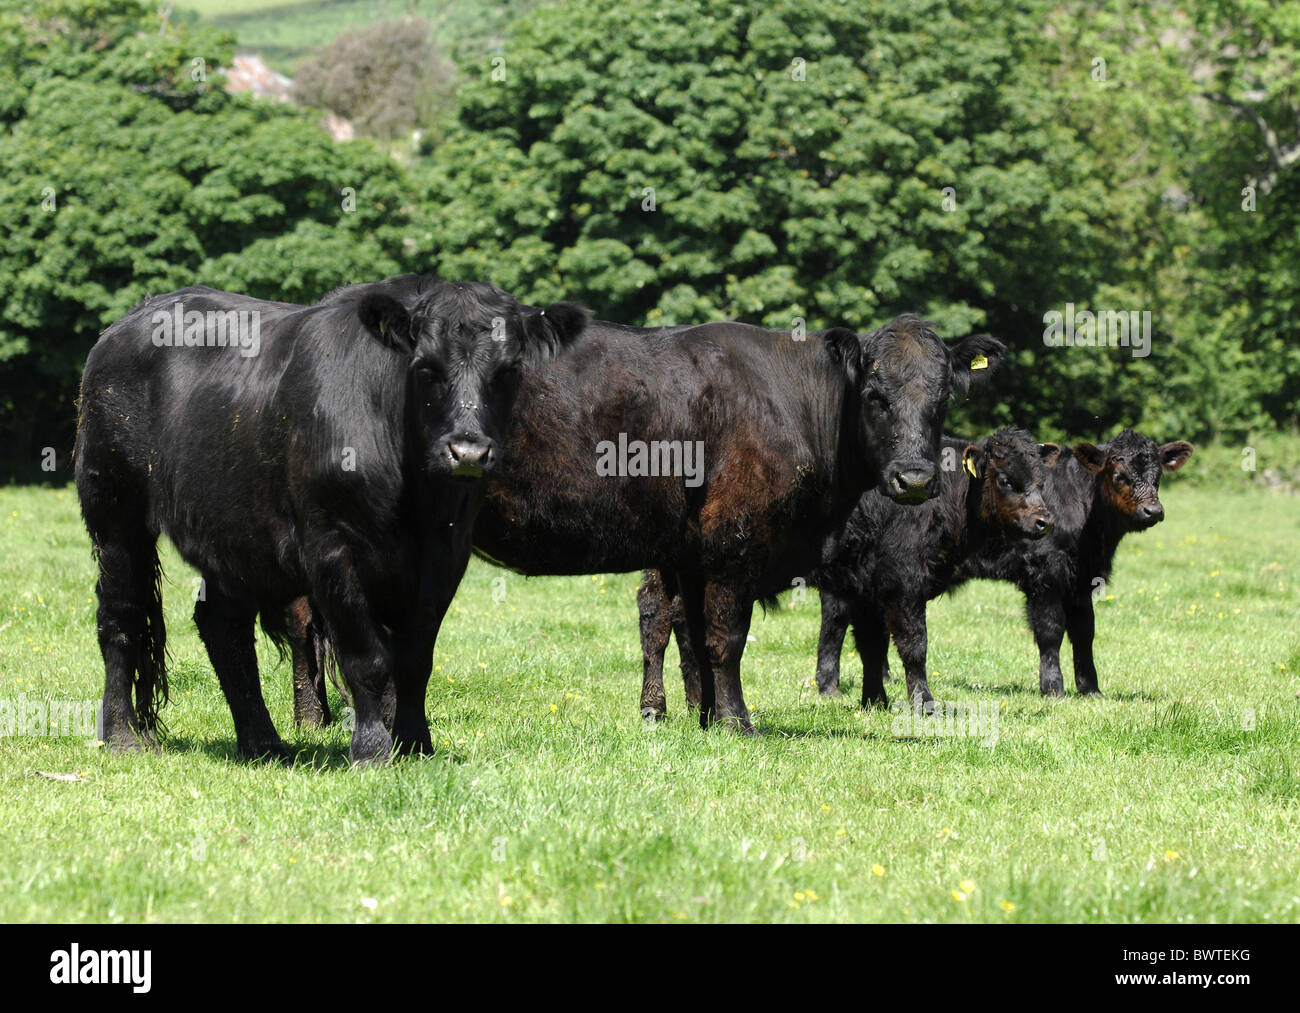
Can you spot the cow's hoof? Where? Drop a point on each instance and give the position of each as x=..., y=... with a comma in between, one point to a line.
x=123, y=742
x=651, y=716
x=268, y=753
x=1053, y=689
x=875, y=703
x=369, y=759
x=1095, y=693
x=830, y=691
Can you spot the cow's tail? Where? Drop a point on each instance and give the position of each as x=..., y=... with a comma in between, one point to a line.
x=151, y=689
x=327, y=662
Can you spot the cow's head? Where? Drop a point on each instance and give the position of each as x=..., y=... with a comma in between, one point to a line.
x=904, y=374
x=1012, y=468
x=466, y=343
x=1128, y=471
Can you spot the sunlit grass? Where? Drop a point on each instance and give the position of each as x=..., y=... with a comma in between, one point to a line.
x=1175, y=798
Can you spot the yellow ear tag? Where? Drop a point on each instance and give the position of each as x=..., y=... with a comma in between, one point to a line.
x=968, y=463
x=979, y=362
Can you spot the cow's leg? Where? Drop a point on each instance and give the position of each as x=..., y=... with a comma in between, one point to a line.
x=830, y=642
x=727, y=615
x=310, y=706
x=692, y=594
x=1080, y=625
x=906, y=620
x=410, y=683
x=226, y=628
x=365, y=648
x=388, y=701
x=690, y=663
x=131, y=633
x=1047, y=620
x=871, y=636
x=367, y=655
x=654, y=604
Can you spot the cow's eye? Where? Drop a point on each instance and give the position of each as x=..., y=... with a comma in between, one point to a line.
x=877, y=401
x=429, y=372
x=1004, y=483
x=1121, y=478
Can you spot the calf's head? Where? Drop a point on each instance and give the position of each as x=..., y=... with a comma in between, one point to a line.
x=466, y=344
x=1128, y=471
x=903, y=375
x=1012, y=467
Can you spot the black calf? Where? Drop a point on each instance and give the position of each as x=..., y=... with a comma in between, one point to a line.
x=1099, y=494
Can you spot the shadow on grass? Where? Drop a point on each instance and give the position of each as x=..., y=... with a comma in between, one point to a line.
x=308, y=756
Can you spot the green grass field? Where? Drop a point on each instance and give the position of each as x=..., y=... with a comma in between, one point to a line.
x=285, y=31
x=1177, y=798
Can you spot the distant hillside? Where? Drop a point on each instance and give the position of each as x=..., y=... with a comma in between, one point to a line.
x=284, y=31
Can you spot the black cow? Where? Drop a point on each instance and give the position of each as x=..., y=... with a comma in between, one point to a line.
x=888, y=562
x=774, y=441
x=338, y=455
x=1098, y=494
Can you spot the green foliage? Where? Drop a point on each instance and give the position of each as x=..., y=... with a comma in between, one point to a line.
x=821, y=195
x=798, y=157
x=123, y=172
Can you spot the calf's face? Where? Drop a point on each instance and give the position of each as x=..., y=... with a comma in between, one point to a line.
x=904, y=375
x=1128, y=470
x=1013, y=468
x=467, y=344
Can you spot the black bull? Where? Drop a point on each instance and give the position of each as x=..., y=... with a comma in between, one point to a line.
x=790, y=434
x=334, y=451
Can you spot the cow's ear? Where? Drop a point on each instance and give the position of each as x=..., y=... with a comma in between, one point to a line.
x=975, y=359
x=845, y=350
x=973, y=460
x=1174, y=455
x=387, y=321
x=1091, y=457
x=1049, y=453
x=549, y=330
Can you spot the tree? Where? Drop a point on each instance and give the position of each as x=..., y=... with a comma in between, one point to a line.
x=126, y=170
x=387, y=78
x=839, y=163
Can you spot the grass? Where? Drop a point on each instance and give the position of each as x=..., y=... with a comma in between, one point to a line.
x=1177, y=798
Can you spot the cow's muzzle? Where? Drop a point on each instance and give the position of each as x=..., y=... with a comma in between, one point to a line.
x=911, y=482
x=469, y=457
x=1039, y=523
x=1149, y=514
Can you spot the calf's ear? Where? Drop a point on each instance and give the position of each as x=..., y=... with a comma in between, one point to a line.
x=1174, y=455
x=975, y=359
x=1091, y=457
x=845, y=350
x=549, y=330
x=1050, y=453
x=387, y=321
